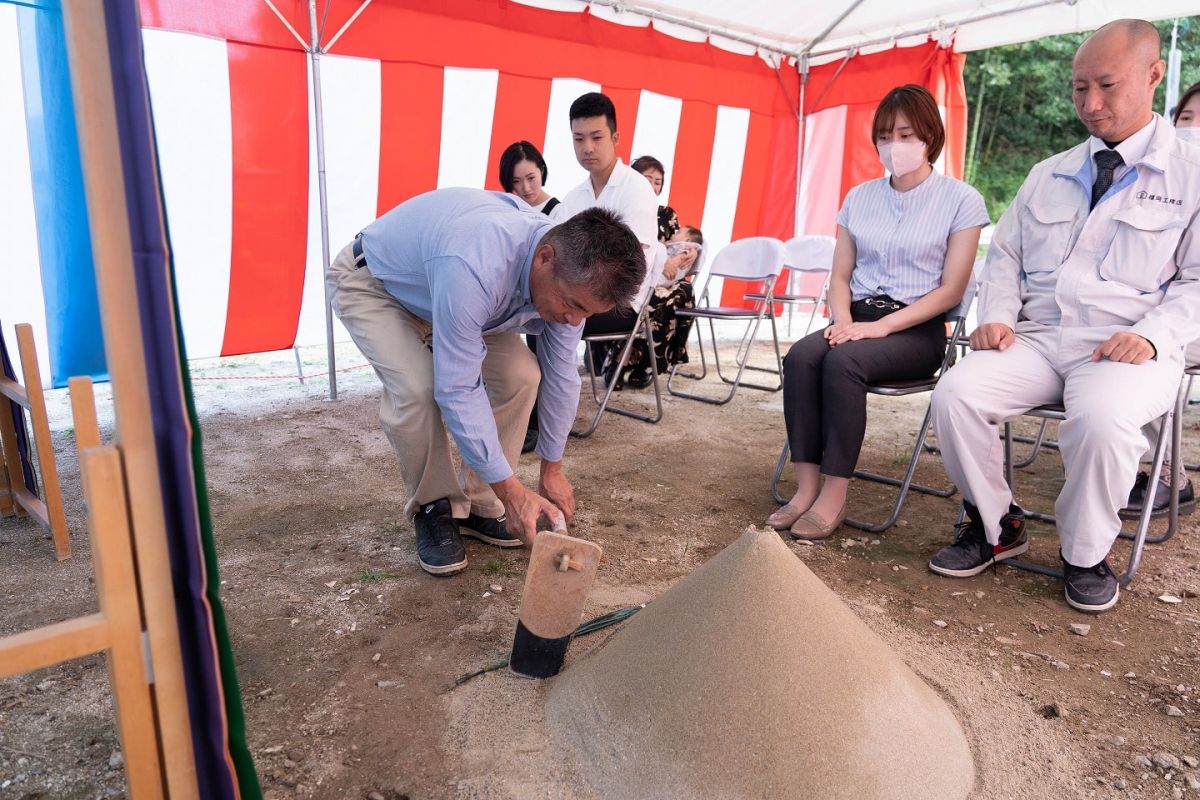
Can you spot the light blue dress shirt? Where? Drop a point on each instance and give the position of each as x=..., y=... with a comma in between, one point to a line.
x=901, y=238
x=460, y=258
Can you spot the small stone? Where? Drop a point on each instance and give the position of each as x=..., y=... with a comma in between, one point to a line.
x=1172, y=711
x=115, y=760
x=375, y=796
x=275, y=748
x=294, y=622
x=1191, y=761
x=875, y=542
x=895, y=568
x=44, y=685
x=1080, y=628
x=1165, y=760
x=331, y=584
x=1142, y=760
x=1118, y=741
x=1170, y=598
x=1130, y=675
x=1119, y=783
x=289, y=764
x=1176, y=793
x=375, y=658
x=497, y=588
x=941, y=623
x=1060, y=665
x=487, y=594
x=1193, y=783
x=388, y=684
x=980, y=595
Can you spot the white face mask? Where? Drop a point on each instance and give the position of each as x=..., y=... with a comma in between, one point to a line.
x=1188, y=134
x=901, y=158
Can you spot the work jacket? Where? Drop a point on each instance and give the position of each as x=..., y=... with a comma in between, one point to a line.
x=1132, y=262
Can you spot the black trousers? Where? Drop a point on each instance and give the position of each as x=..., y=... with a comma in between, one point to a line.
x=825, y=388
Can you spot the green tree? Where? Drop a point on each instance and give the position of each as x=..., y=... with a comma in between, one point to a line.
x=1020, y=109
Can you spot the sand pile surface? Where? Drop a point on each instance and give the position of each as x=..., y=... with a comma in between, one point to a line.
x=751, y=679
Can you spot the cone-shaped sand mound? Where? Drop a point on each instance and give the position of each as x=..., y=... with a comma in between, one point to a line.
x=751, y=679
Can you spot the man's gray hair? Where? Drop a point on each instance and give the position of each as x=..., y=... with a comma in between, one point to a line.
x=597, y=250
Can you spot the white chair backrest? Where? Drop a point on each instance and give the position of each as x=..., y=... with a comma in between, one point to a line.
x=809, y=253
x=964, y=307
x=752, y=259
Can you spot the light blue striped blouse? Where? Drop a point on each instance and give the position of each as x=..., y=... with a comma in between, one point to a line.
x=901, y=237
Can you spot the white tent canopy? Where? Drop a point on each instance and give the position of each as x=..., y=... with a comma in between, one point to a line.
x=825, y=30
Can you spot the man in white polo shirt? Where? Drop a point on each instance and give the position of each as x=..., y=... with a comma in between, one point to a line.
x=1090, y=293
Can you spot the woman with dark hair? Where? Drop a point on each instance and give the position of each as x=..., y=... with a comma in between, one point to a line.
x=1187, y=115
x=905, y=248
x=673, y=291
x=523, y=173
x=653, y=171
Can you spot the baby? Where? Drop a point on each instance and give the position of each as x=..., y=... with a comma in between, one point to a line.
x=687, y=240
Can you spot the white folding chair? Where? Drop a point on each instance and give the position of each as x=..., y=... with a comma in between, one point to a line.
x=1170, y=429
x=758, y=258
x=957, y=317
x=809, y=260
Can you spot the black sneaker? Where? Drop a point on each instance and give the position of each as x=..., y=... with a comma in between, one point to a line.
x=439, y=547
x=489, y=530
x=971, y=554
x=531, y=440
x=1090, y=589
x=1162, y=497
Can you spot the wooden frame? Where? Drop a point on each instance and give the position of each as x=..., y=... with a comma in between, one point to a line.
x=115, y=630
x=47, y=510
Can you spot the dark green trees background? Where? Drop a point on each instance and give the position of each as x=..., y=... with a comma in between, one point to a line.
x=1019, y=97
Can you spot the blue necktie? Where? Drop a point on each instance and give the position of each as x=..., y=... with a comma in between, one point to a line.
x=1107, y=162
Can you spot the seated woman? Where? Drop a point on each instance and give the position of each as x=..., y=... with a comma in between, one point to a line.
x=523, y=173
x=672, y=292
x=905, y=248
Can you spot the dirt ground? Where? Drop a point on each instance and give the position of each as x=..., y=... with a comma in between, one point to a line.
x=347, y=652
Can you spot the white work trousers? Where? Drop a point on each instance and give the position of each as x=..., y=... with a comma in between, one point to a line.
x=397, y=343
x=1101, y=440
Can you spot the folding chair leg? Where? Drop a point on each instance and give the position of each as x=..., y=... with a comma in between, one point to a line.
x=778, y=474
x=905, y=485
x=1139, y=537
x=602, y=403
x=703, y=365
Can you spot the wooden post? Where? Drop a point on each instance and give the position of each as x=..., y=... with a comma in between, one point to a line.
x=31, y=376
x=83, y=411
x=116, y=585
x=8, y=506
x=116, y=288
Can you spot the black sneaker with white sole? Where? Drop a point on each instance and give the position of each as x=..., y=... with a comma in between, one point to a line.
x=1162, y=497
x=439, y=545
x=971, y=554
x=487, y=529
x=1090, y=589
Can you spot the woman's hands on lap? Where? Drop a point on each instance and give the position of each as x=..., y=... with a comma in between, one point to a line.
x=840, y=333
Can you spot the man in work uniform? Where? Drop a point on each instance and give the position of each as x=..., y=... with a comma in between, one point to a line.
x=436, y=293
x=1090, y=293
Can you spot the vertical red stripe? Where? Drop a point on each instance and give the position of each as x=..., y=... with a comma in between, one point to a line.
x=693, y=159
x=269, y=105
x=410, y=131
x=522, y=105
x=626, y=102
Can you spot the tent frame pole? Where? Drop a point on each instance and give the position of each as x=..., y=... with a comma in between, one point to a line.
x=314, y=54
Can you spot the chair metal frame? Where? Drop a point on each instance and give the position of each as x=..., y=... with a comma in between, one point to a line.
x=901, y=389
x=641, y=325
x=1170, y=428
x=798, y=256
x=752, y=316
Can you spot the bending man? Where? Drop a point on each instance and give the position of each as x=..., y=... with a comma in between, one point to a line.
x=436, y=293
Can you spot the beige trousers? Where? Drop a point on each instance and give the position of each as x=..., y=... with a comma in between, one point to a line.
x=399, y=346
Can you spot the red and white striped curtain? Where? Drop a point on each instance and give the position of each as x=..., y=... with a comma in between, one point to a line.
x=420, y=95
